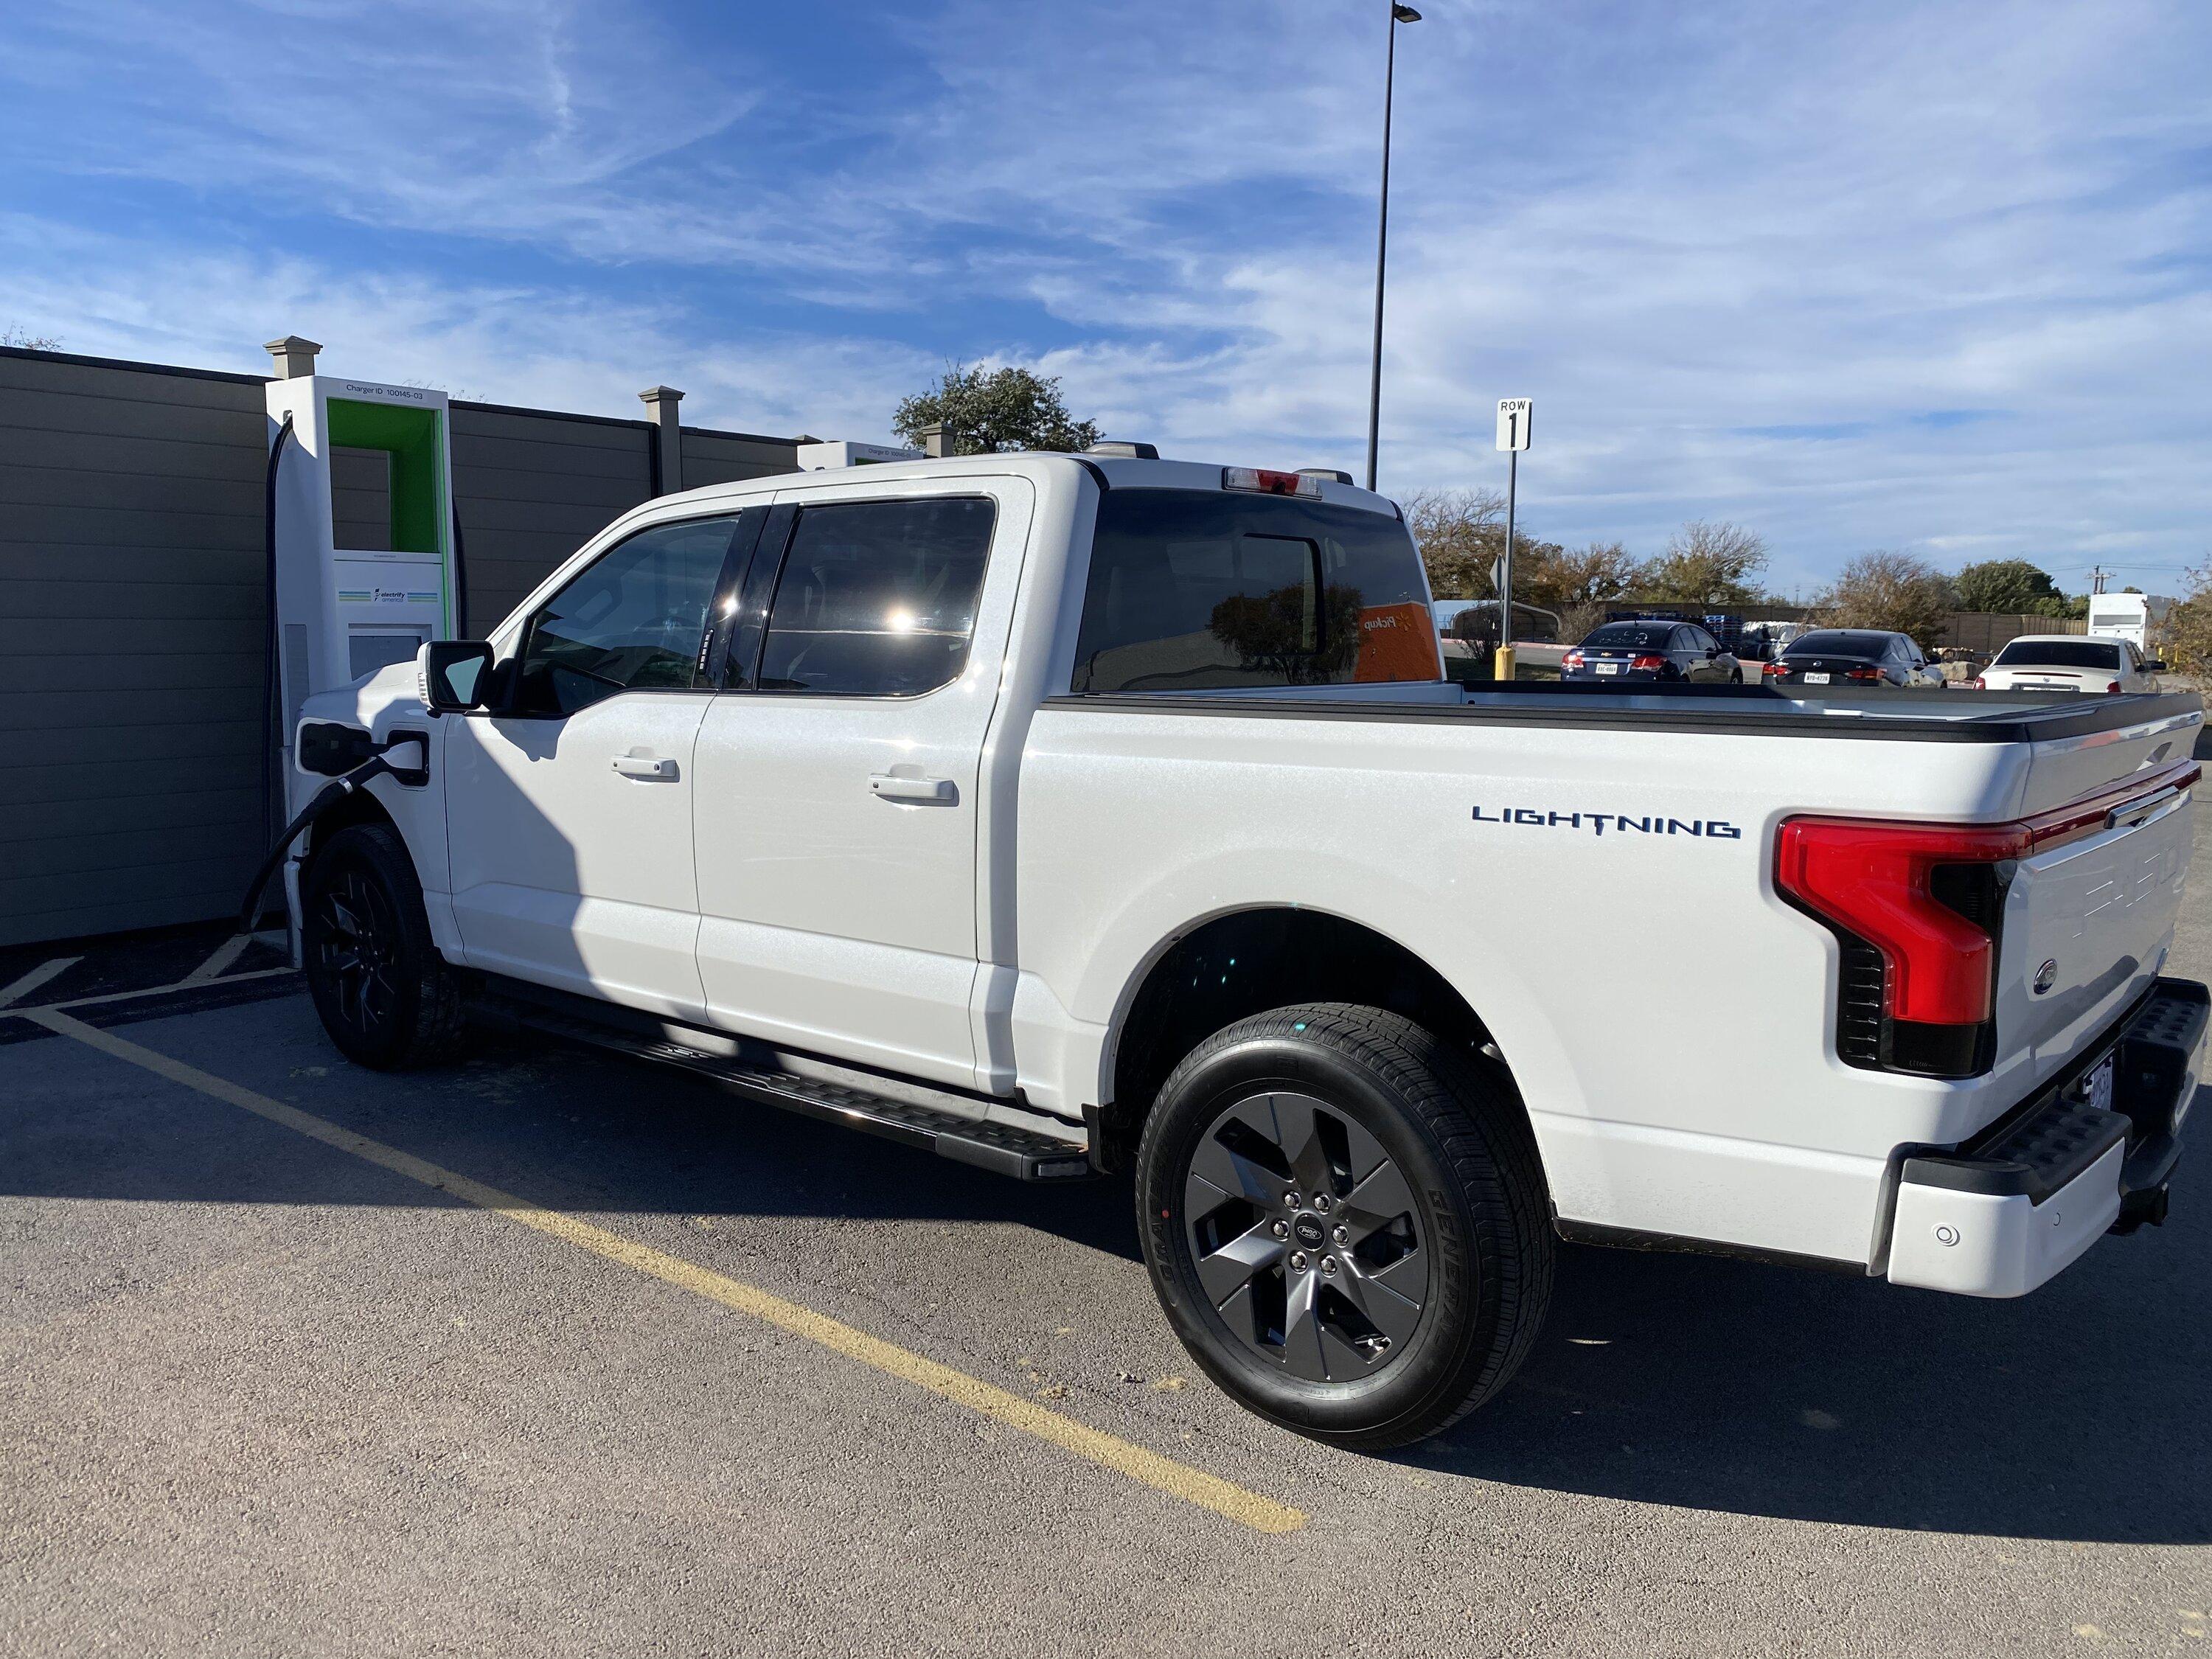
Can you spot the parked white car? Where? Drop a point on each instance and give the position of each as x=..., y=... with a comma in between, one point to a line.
x=1072, y=813
x=2068, y=662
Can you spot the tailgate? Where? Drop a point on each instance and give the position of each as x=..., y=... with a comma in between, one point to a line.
x=2061, y=770
x=2090, y=913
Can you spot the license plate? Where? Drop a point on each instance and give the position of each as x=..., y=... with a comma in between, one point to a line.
x=1816, y=680
x=2097, y=1090
x=1608, y=668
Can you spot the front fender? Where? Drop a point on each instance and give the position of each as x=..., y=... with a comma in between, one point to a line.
x=390, y=704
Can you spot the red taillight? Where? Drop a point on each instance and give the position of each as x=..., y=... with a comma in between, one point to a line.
x=1269, y=482
x=1928, y=899
x=1875, y=880
x=1655, y=664
x=1572, y=659
x=1862, y=673
x=2114, y=686
x=1978, y=685
x=1775, y=668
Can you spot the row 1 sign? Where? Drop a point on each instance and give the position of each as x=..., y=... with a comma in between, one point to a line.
x=1513, y=417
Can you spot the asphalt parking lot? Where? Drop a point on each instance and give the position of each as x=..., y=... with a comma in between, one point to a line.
x=547, y=1353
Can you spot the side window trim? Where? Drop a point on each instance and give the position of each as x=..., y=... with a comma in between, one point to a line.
x=748, y=626
x=726, y=618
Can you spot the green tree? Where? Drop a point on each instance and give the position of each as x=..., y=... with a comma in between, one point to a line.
x=1708, y=562
x=1574, y=578
x=985, y=412
x=1460, y=533
x=2010, y=587
x=2185, y=635
x=1893, y=591
x=1461, y=536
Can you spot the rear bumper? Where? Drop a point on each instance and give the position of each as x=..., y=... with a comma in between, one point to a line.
x=2005, y=1212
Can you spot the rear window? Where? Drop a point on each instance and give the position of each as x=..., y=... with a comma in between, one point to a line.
x=1192, y=589
x=2058, y=654
x=1838, y=644
x=1644, y=637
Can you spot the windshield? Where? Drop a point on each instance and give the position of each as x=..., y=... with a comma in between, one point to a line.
x=1832, y=644
x=1642, y=636
x=2059, y=653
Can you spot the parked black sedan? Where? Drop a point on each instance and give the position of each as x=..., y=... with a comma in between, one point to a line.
x=1653, y=650
x=1853, y=659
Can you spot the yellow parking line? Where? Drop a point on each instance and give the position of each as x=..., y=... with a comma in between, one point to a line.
x=1163, y=1473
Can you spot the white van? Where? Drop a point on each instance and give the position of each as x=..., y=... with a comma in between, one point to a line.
x=2126, y=617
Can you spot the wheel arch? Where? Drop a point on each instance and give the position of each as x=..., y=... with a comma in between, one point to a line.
x=1244, y=961
x=356, y=806
x=364, y=806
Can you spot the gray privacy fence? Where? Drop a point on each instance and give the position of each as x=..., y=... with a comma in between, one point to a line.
x=1986, y=633
x=132, y=625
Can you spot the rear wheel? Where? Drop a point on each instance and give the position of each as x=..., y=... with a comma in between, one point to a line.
x=386, y=996
x=1345, y=1222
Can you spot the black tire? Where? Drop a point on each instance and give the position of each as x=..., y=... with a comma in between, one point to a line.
x=1736, y=678
x=1475, y=1204
x=386, y=996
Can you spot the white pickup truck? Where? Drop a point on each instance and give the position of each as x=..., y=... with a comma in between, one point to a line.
x=1066, y=814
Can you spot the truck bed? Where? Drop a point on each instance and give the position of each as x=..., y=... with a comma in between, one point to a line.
x=1752, y=710
x=1593, y=871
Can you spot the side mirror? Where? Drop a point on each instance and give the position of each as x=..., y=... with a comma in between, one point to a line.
x=454, y=673
x=2154, y=665
x=1712, y=651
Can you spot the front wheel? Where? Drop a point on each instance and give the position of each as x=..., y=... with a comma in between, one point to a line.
x=1347, y=1222
x=386, y=996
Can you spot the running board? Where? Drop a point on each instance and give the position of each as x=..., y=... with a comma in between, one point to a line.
x=1001, y=1148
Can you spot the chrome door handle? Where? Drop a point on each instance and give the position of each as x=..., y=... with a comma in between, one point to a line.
x=645, y=766
x=885, y=785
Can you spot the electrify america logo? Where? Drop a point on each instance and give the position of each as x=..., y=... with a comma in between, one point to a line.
x=1620, y=823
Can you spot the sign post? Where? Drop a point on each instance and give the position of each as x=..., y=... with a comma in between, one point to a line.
x=1514, y=415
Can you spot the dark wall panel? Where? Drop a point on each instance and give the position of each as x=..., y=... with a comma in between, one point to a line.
x=131, y=618
x=713, y=458
x=531, y=487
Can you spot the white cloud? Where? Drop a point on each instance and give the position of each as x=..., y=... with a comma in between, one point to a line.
x=1932, y=278
x=513, y=344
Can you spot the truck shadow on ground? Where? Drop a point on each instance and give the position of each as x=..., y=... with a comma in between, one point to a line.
x=2076, y=1413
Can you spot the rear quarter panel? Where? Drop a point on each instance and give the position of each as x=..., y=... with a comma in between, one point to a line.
x=1667, y=1016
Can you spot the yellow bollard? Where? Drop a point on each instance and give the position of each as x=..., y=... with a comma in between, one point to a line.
x=1503, y=667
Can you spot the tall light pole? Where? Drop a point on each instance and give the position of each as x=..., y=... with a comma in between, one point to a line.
x=1399, y=14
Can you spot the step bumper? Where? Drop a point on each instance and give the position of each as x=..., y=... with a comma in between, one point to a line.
x=2012, y=1208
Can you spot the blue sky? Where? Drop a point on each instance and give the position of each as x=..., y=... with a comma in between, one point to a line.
x=1932, y=277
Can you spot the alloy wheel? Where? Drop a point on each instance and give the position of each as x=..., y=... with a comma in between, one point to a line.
x=1306, y=1237
x=358, y=949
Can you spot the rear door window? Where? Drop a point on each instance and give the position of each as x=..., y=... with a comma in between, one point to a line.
x=1194, y=589
x=877, y=599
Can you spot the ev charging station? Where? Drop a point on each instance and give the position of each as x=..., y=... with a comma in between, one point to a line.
x=819, y=457
x=345, y=611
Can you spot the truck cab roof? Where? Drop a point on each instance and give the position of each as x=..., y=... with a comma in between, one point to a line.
x=1110, y=471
